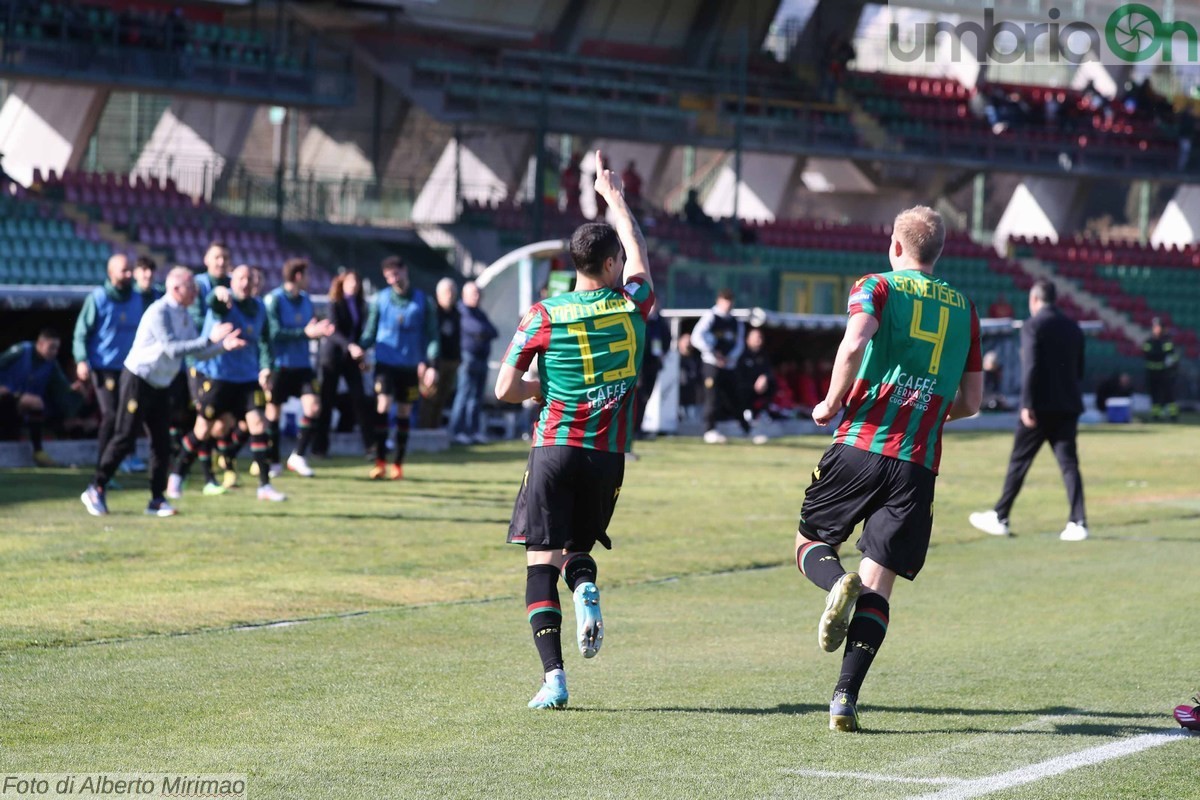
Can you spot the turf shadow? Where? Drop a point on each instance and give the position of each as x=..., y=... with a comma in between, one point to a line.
x=1068, y=728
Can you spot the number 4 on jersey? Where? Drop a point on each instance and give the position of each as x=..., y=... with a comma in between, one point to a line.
x=936, y=338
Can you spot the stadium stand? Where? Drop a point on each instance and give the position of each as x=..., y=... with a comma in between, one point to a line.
x=40, y=245
x=1142, y=282
x=1011, y=122
x=186, y=47
x=171, y=223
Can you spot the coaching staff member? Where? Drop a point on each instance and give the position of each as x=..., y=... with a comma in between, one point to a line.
x=1051, y=402
x=165, y=335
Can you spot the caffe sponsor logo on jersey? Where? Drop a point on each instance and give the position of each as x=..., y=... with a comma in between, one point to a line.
x=608, y=395
x=910, y=390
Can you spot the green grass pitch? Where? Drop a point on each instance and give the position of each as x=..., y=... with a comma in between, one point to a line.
x=1013, y=668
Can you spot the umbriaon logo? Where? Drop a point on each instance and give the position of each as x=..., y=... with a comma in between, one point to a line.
x=1132, y=33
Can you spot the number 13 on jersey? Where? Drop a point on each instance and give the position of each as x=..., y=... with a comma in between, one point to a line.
x=627, y=344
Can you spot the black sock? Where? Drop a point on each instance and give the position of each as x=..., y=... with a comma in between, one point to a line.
x=260, y=449
x=273, y=440
x=402, y=425
x=864, y=637
x=204, y=456
x=579, y=568
x=381, y=432
x=819, y=563
x=237, y=440
x=176, y=435
x=189, y=446
x=305, y=437
x=545, y=613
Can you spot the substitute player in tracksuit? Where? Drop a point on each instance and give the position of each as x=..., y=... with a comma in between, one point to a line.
x=104, y=333
x=291, y=324
x=402, y=327
x=232, y=386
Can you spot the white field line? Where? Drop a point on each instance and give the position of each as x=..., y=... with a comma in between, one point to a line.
x=985, y=741
x=964, y=788
x=1055, y=766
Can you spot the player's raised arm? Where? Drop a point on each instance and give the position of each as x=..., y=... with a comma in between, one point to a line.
x=608, y=186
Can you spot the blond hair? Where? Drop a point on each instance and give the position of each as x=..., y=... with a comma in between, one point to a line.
x=921, y=233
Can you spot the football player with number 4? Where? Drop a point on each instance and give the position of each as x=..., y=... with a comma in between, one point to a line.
x=908, y=363
x=589, y=344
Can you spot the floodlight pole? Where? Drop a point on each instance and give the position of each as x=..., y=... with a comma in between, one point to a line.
x=539, y=163
x=739, y=122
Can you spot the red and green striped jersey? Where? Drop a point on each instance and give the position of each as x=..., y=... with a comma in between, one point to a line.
x=589, y=347
x=928, y=338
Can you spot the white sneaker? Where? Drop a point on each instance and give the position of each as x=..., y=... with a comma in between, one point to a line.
x=714, y=437
x=760, y=438
x=989, y=522
x=462, y=439
x=275, y=470
x=479, y=438
x=174, y=486
x=297, y=464
x=269, y=492
x=1074, y=532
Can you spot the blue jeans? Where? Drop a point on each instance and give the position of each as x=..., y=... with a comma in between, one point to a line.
x=468, y=400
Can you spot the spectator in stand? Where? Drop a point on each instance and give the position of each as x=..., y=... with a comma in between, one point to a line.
x=1186, y=127
x=1051, y=108
x=340, y=358
x=633, y=187
x=436, y=398
x=1001, y=308
x=690, y=378
x=569, y=184
x=478, y=332
x=693, y=212
x=33, y=387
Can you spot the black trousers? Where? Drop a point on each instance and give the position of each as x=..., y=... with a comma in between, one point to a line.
x=1161, y=385
x=138, y=404
x=1059, y=431
x=721, y=397
x=347, y=368
x=107, y=385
